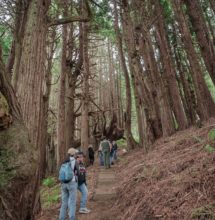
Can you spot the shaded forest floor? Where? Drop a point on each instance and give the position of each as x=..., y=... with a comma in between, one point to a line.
x=175, y=180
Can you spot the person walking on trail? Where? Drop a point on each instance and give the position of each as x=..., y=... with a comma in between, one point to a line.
x=82, y=184
x=115, y=148
x=101, y=158
x=111, y=153
x=68, y=177
x=106, y=148
x=91, y=154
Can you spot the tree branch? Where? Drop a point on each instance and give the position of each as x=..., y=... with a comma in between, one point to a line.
x=68, y=20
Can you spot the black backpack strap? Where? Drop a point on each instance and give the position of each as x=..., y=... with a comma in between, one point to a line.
x=76, y=168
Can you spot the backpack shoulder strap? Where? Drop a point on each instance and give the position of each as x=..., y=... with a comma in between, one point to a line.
x=76, y=167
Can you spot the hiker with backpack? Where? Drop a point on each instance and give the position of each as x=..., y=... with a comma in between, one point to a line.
x=68, y=176
x=106, y=149
x=82, y=184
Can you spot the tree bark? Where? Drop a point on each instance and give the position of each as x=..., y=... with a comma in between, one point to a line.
x=148, y=120
x=111, y=81
x=205, y=104
x=22, y=8
x=169, y=73
x=85, y=89
x=44, y=153
x=127, y=118
x=156, y=86
x=61, y=124
x=202, y=33
x=18, y=195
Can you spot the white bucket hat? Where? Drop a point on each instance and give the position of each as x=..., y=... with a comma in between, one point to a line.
x=72, y=151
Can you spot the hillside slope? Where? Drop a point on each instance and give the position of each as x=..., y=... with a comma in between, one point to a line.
x=176, y=180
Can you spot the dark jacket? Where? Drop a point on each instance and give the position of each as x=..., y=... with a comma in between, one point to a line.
x=81, y=174
x=91, y=153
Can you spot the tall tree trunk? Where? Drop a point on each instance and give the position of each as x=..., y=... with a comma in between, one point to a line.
x=202, y=33
x=71, y=85
x=85, y=88
x=22, y=8
x=61, y=124
x=205, y=103
x=18, y=196
x=145, y=105
x=70, y=111
x=169, y=70
x=158, y=90
x=49, y=53
x=31, y=81
x=130, y=139
x=111, y=81
x=185, y=78
x=189, y=95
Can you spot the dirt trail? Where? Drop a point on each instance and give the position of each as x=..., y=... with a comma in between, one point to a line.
x=104, y=195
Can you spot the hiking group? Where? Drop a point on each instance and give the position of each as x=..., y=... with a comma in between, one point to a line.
x=107, y=152
x=72, y=175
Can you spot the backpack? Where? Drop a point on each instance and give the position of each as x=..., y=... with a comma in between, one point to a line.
x=66, y=173
x=105, y=146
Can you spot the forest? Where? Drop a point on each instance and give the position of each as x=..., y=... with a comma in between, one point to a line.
x=73, y=71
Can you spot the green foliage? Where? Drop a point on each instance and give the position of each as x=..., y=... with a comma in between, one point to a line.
x=122, y=143
x=5, y=40
x=49, y=182
x=50, y=192
x=211, y=134
x=102, y=20
x=167, y=10
x=204, y=212
x=209, y=148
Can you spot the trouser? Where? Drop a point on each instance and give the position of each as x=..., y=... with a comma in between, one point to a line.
x=113, y=156
x=91, y=161
x=106, y=155
x=84, y=192
x=68, y=197
x=101, y=158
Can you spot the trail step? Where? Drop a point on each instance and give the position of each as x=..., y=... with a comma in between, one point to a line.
x=106, y=185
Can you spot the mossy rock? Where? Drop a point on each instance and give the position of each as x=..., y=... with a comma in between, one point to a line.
x=18, y=157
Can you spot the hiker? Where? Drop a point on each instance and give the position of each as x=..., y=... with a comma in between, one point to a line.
x=115, y=147
x=68, y=177
x=111, y=154
x=82, y=185
x=91, y=154
x=106, y=148
x=101, y=158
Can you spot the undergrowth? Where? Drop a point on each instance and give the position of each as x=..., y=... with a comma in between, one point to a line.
x=203, y=212
x=50, y=192
x=122, y=143
x=210, y=146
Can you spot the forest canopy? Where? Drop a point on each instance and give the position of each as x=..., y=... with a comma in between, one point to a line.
x=74, y=71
